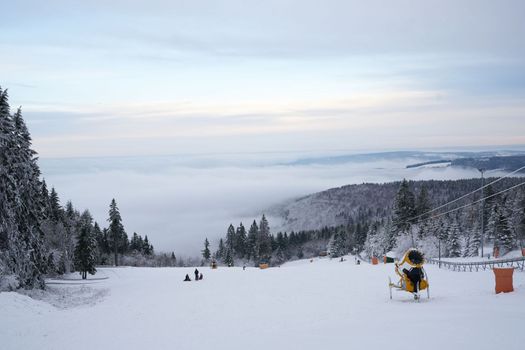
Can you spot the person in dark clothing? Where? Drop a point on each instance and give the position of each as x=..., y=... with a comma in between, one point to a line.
x=187, y=278
x=196, y=275
x=201, y=276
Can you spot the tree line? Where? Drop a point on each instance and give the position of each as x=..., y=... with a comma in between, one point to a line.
x=458, y=233
x=40, y=237
x=396, y=215
x=258, y=245
x=405, y=222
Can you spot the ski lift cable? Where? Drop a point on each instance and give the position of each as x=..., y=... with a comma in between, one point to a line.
x=478, y=201
x=465, y=195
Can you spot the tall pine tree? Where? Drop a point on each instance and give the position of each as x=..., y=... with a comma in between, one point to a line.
x=404, y=209
x=22, y=251
x=206, y=255
x=453, y=242
x=86, y=248
x=251, y=244
x=264, y=243
x=116, y=229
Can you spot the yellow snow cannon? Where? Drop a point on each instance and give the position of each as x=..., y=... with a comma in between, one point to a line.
x=412, y=276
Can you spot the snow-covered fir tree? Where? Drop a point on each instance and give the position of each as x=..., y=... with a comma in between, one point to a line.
x=453, y=242
x=404, y=209
x=86, y=249
x=240, y=241
x=504, y=238
x=422, y=204
x=230, y=238
x=264, y=243
x=251, y=251
x=116, y=229
x=221, y=251
x=22, y=248
x=338, y=244
x=474, y=242
x=206, y=254
x=147, y=248
x=228, y=257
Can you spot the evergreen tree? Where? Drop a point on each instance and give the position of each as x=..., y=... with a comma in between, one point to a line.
x=230, y=238
x=55, y=209
x=72, y=225
x=441, y=230
x=206, y=251
x=521, y=221
x=422, y=204
x=492, y=224
x=264, y=243
x=504, y=238
x=116, y=229
x=488, y=208
x=280, y=256
x=475, y=241
x=280, y=242
x=221, y=251
x=45, y=198
x=22, y=251
x=228, y=257
x=453, y=242
x=99, y=238
x=135, y=244
x=147, y=248
x=360, y=235
x=240, y=241
x=85, y=250
x=251, y=244
x=404, y=209
x=338, y=244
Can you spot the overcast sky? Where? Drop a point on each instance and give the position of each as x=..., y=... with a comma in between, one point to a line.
x=163, y=77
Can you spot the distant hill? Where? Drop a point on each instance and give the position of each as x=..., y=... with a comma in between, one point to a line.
x=417, y=158
x=371, y=202
x=508, y=163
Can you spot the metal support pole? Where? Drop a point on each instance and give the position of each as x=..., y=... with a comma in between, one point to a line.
x=482, y=210
x=439, y=252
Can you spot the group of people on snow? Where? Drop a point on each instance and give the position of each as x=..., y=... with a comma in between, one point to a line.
x=198, y=276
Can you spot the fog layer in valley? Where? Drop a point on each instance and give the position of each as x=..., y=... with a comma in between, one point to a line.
x=179, y=200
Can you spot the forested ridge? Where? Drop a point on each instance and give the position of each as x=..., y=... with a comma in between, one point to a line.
x=374, y=219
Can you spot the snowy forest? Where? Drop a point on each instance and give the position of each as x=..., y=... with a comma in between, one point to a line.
x=38, y=236
x=258, y=245
x=374, y=219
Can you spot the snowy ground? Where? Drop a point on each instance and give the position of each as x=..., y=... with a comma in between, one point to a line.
x=301, y=305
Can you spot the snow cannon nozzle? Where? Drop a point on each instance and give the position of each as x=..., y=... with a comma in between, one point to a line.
x=416, y=257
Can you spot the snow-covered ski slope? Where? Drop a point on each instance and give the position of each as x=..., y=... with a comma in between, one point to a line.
x=326, y=304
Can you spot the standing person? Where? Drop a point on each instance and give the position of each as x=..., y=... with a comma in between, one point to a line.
x=196, y=275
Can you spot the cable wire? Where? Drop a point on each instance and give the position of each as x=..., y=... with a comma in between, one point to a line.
x=476, y=202
x=464, y=196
